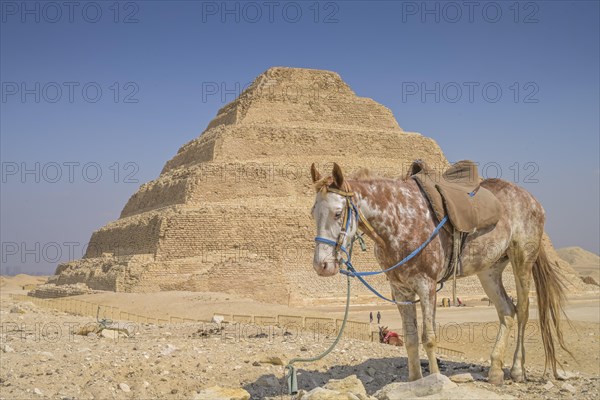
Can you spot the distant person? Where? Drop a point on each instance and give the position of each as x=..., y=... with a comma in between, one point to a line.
x=489, y=302
x=460, y=303
x=371, y=317
x=378, y=317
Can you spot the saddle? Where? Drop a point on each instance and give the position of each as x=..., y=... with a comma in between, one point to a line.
x=458, y=194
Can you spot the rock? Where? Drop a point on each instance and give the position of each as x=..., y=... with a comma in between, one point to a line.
x=169, y=349
x=219, y=393
x=371, y=372
x=256, y=364
x=429, y=385
x=109, y=334
x=350, y=384
x=88, y=328
x=273, y=360
x=568, y=387
x=449, y=391
x=549, y=385
x=462, y=378
x=7, y=349
x=268, y=381
x=566, y=375
x=38, y=392
x=124, y=387
x=319, y=393
x=17, y=310
x=349, y=388
x=217, y=319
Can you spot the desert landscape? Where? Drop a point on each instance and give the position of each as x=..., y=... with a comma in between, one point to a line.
x=44, y=357
x=203, y=288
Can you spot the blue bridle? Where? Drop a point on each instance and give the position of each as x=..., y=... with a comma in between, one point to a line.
x=351, y=211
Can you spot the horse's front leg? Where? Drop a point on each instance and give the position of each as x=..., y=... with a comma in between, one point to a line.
x=408, y=312
x=427, y=297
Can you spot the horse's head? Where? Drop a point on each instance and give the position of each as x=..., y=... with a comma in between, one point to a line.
x=337, y=220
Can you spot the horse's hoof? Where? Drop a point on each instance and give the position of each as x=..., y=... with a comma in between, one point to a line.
x=517, y=375
x=496, y=377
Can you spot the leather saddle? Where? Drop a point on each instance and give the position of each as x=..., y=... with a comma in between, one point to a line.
x=457, y=193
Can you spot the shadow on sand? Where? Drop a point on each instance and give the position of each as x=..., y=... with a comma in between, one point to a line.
x=374, y=374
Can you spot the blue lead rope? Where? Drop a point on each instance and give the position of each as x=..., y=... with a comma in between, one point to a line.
x=351, y=272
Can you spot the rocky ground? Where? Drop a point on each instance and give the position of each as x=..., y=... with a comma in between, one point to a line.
x=42, y=357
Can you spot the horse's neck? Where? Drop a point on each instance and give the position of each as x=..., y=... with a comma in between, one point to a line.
x=394, y=208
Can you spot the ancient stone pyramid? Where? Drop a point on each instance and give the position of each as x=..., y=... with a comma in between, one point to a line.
x=231, y=210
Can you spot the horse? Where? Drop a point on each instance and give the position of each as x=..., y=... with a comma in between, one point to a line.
x=389, y=337
x=395, y=214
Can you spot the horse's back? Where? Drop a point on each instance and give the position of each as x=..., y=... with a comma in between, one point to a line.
x=512, y=196
x=523, y=214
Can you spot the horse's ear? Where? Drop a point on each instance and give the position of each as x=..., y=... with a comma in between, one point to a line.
x=314, y=173
x=338, y=176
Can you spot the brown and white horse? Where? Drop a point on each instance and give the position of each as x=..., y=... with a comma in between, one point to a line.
x=402, y=219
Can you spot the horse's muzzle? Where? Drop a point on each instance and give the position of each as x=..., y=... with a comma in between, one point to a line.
x=327, y=268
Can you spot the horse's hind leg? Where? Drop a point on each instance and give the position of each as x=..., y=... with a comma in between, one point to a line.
x=491, y=280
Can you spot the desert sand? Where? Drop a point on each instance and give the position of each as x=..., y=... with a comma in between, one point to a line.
x=42, y=358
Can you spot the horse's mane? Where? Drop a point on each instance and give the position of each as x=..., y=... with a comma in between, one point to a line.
x=363, y=174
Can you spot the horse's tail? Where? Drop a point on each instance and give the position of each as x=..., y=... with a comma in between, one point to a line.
x=550, y=292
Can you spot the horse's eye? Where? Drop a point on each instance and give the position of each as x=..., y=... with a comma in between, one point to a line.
x=338, y=214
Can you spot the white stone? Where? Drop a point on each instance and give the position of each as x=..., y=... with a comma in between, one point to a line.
x=7, y=349
x=391, y=392
x=124, y=387
x=549, y=385
x=168, y=349
x=350, y=384
x=109, y=334
x=568, y=387
x=431, y=384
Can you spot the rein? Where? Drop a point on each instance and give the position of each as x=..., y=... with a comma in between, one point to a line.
x=350, y=210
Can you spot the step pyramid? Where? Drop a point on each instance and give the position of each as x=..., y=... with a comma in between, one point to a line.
x=230, y=211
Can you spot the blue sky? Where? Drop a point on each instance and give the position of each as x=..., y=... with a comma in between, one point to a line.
x=117, y=88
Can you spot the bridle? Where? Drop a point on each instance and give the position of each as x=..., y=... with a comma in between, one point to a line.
x=349, y=213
